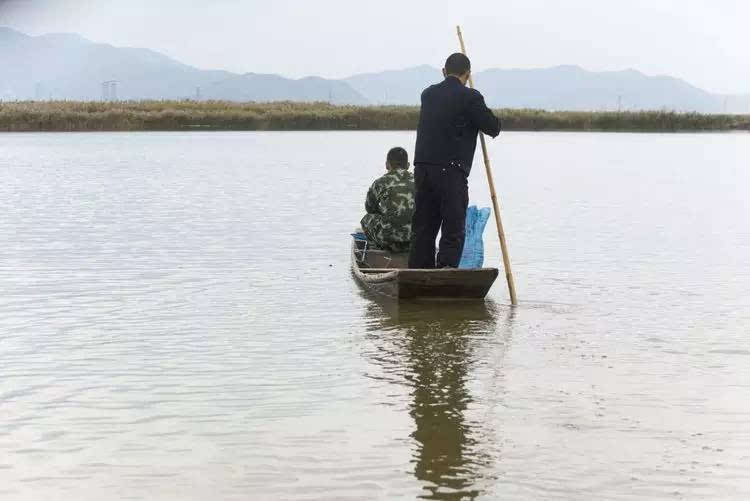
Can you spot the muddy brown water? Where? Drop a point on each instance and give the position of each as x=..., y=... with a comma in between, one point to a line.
x=178, y=321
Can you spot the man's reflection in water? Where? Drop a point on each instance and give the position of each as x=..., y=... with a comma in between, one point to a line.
x=434, y=346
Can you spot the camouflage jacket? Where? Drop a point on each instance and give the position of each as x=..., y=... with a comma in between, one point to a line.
x=390, y=207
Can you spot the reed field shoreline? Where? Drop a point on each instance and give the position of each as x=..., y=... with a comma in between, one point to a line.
x=92, y=116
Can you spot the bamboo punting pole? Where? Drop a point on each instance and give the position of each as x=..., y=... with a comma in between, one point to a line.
x=495, y=204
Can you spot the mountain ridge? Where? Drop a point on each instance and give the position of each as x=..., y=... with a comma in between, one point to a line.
x=69, y=66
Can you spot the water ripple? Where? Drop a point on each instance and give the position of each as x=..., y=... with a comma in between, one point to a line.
x=183, y=324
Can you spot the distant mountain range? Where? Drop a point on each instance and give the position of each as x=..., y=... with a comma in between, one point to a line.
x=557, y=88
x=67, y=66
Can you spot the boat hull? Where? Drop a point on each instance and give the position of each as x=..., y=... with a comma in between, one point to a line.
x=386, y=273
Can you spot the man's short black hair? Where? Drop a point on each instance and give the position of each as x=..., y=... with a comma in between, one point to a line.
x=398, y=157
x=457, y=64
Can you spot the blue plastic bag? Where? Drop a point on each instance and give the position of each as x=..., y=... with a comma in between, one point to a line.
x=473, y=254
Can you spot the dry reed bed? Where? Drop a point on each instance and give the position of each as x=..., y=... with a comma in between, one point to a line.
x=26, y=116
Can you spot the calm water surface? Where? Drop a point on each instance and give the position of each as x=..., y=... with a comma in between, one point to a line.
x=178, y=322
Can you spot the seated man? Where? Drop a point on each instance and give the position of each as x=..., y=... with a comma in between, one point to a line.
x=390, y=205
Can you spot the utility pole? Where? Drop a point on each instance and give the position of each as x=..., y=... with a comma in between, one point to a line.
x=198, y=93
x=109, y=90
x=619, y=103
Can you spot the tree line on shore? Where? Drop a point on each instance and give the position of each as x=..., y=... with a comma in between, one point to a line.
x=58, y=116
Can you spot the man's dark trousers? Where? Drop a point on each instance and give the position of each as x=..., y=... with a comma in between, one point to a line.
x=441, y=196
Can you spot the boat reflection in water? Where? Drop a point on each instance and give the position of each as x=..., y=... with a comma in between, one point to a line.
x=430, y=347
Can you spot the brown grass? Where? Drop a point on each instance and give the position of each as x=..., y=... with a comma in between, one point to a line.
x=25, y=116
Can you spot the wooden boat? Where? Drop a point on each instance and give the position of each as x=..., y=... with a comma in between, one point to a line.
x=387, y=273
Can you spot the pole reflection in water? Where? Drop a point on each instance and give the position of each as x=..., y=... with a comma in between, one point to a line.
x=431, y=348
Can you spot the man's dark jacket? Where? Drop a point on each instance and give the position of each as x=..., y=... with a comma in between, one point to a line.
x=449, y=120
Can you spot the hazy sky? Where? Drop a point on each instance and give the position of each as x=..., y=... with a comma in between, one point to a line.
x=703, y=41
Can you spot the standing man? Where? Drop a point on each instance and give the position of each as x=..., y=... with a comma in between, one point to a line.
x=450, y=119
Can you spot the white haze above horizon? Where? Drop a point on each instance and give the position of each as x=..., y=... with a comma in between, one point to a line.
x=704, y=42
